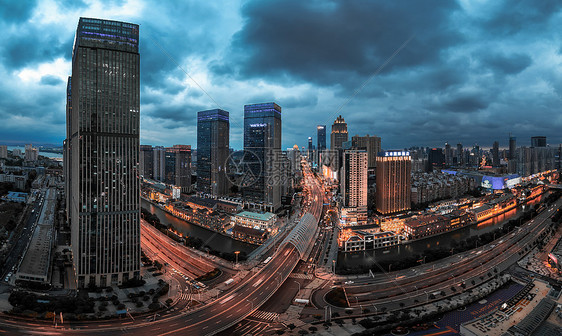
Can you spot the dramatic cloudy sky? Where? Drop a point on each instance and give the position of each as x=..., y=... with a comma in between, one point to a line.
x=466, y=71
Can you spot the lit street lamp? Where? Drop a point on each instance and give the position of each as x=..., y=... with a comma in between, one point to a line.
x=236, y=253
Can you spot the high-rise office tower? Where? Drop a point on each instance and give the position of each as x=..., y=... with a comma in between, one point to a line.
x=104, y=143
x=262, y=143
x=177, y=167
x=448, y=154
x=538, y=141
x=67, y=157
x=321, y=135
x=460, y=155
x=159, y=163
x=512, y=147
x=496, y=154
x=213, y=134
x=394, y=181
x=372, y=144
x=354, y=186
x=310, y=148
x=339, y=133
x=146, y=161
x=353, y=181
x=435, y=158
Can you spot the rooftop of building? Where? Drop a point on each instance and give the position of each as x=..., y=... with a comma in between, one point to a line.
x=38, y=254
x=424, y=220
x=256, y=216
x=205, y=202
x=248, y=231
x=16, y=194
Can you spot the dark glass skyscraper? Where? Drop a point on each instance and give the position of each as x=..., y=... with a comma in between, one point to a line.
x=104, y=191
x=213, y=129
x=512, y=147
x=321, y=134
x=262, y=141
x=538, y=141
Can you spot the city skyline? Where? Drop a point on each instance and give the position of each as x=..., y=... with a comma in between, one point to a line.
x=467, y=66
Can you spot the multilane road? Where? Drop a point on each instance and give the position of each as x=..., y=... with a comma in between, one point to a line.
x=227, y=310
x=417, y=284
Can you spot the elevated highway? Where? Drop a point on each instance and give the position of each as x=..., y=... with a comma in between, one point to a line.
x=228, y=309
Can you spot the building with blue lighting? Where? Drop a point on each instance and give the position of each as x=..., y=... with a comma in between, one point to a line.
x=213, y=132
x=262, y=146
x=103, y=193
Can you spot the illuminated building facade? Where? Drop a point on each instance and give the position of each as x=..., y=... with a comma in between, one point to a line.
x=394, y=182
x=104, y=189
x=213, y=129
x=339, y=133
x=353, y=186
x=262, y=145
x=178, y=167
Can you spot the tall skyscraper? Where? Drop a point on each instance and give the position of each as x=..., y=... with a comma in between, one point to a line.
x=262, y=143
x=177, y=167
x=435, y=158
x=67, y=157
x=460, y=155
x=159, y=163
x=394, y=181
x=146, y=161
x=538, y=141
x=339, y=133
x=310, y=148
x=104, y=190
x=372, y=144
x=353, y=181
x=321, y=138
x=448, y=154
x=213, y=134
x=496, y=154
x=512, y=147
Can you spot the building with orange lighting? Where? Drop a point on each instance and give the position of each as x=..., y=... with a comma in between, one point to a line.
x=353, y=185
x=394, y=181
x=494, y=207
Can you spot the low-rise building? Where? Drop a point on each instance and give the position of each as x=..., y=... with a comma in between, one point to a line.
x=428, y=225
x=361, y=240
x=14, y=196
x=261, y=221
x=248, y=234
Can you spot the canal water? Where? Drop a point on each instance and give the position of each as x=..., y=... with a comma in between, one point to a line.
x=215, y=240
x=367, y=258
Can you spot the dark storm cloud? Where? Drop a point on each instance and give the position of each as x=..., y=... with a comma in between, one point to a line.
x=507, y=64
x=523, y=16
x=50, y=80
x=16, y=11
x=325, y=41
x=30, y=45
x=465, y=103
